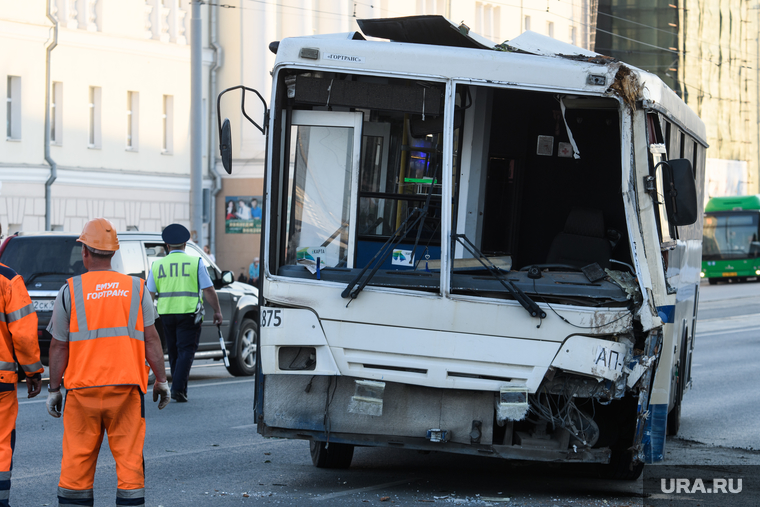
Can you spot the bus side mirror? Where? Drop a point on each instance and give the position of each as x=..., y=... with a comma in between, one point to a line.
x=225, y=146
x=680, y=191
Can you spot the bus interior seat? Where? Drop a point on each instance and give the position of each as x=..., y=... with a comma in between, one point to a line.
x=582, y=242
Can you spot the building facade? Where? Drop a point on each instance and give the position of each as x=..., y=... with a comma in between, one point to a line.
x=709, y=52
x=118, y=121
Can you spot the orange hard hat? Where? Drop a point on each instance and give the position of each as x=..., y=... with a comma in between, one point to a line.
x=100, y=234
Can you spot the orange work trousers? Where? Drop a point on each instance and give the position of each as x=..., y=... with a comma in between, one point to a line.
x=119, y=412
x=8, y=413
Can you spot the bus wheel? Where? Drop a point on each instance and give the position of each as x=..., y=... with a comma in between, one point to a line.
x=674, y=416
x=332, y=456
x=621, y=466
x=713, y=281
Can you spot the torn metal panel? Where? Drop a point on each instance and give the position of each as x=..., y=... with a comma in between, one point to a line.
x=537, y=44
x=626, y=85
x=433, y=30
x=628, y=283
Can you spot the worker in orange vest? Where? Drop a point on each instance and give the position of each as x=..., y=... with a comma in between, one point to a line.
x=18, y=329
x=103, y=332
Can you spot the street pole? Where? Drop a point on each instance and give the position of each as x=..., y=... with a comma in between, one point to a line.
x=196, y=127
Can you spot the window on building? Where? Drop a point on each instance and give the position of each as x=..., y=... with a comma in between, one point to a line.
x=431, y=7
x=95, y=111
x=56, y=114
x=527, y=23
x=13, y=109
x=133, y=120
x=496, y=24
x=550, y=28
x=573, y=36
x=488, y=20
x=168, y=125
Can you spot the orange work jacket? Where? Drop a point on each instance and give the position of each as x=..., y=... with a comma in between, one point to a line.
x=18, y=329
x=106, y=332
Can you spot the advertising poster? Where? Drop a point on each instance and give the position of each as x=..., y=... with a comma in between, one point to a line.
x=242, y=214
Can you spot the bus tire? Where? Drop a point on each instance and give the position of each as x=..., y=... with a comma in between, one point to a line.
x=674, y=416
x=332, y=456
x=712, y=281
x=621, y=467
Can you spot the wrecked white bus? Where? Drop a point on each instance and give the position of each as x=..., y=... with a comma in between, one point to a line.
x=475, y=249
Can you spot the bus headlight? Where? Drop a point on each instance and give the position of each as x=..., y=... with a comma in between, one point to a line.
x=702, y=274
x=757, y=271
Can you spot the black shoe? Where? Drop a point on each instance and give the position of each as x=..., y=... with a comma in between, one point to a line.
x=179, y=397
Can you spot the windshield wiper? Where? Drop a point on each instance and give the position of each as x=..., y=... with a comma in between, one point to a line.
x=533, y=309
x=383, y=254
x=45, y=273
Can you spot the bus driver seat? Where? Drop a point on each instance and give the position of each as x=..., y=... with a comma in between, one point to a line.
x=582, y=242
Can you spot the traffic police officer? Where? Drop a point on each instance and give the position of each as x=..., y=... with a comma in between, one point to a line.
x=103, y=332
x=18, y=340
x=177, y=281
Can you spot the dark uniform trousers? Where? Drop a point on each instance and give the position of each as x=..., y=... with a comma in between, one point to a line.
x=182, y=339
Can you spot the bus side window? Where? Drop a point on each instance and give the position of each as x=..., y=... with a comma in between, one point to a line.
x=658, y=152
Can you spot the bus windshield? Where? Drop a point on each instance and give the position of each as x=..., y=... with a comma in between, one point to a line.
x=731, y=235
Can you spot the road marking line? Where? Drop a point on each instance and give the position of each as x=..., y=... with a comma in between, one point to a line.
x=729, y=331
x=243, y=427
x=171, y=454
x=111, y=465
x=362, y=490
x=746, y=316
x=33, y=401
x=190, y=384
x=222, y=383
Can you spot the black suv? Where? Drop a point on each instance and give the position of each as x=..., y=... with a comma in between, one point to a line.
x=45, y=260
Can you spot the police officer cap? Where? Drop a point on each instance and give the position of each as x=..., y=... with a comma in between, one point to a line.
x=175, y=234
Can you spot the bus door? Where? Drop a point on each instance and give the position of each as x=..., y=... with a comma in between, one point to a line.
x=321, y=196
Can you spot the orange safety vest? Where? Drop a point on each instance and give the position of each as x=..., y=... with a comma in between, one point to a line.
x=106, y=331
x=18, y=329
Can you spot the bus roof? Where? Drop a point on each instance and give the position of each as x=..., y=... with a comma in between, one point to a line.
x=733, y=203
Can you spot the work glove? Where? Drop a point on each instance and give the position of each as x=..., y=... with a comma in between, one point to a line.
x=161, y=389
x=54, y=403
x=34, y=385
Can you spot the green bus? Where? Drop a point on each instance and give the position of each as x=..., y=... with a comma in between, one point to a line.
x=730, y=246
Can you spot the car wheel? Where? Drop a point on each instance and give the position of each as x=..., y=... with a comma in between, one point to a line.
x=331, y=456
x=244, y=362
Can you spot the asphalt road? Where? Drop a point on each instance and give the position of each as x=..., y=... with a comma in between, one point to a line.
x=207, y=451
x=723, y=406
